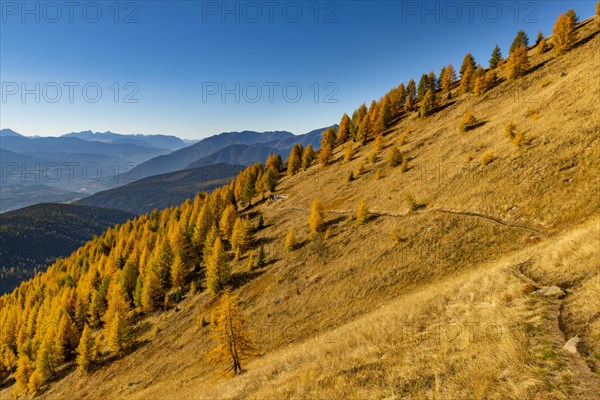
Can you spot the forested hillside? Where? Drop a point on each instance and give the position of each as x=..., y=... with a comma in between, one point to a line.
x=32, y=238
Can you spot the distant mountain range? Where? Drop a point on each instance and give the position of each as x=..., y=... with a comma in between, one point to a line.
x=33, y=237
x=79, y=164
x=163, y=191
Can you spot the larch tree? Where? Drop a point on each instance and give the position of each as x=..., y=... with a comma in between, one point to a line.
x=447, y=79
x=294, y=161
x=274, y=161
x=228, y=220
x=343, y=133
x=308, y=156
x=423, y=87
x=315, y=220
x=364, y=130
x=241, y=236
x=411, y=90
x=118, y=333
x=563, y=33
x=230, y=331
x=67, y=336
x=466, y=81
x=84, y=350
x=217, y=268
x=517, y=63
x=270, y=178
x=349, y=152
x=428, y=103
x=179, y=272
x=496, y=57
x=468, y=62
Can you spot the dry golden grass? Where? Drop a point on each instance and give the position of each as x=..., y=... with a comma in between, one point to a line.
x=356, y=315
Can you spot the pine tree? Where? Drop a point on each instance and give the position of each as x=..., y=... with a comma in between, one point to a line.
x=423, y=87
x=308, y=156
x=362, y=213
x=229, y=330
x=315, y=221
x=428, y=104
x=290, y=240
x=217, y=268
x=563, y=33
x=84, y=350
x=521, y=40
x=496, y=57
x=343, y=133
x=118, y=333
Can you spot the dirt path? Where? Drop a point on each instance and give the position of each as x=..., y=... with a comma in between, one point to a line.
x=587, y=383
x=466, y=213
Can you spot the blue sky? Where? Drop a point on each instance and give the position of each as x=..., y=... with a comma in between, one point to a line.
x=162, y=66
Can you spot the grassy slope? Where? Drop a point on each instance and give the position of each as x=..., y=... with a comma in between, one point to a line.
x=445, y=313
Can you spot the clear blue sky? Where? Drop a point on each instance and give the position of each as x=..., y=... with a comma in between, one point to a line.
x=176, y=54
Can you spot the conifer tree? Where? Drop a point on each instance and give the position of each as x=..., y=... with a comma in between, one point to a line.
x=447, y=79
x=496, y=57
x=541, y=47
x=118, y=333
x=25, y=367
x=349, y=153
x=179, y=272
x=290, y=240
x=468, y=62
x=466, y=82
x=274, y=161
x=364, y=130
x=315, y=221
x=517, y=63
x=343, y=133
x=67, y=336
x=428, y=103
x=521, y=40
x=411, y=90
x=270, y=178
x=395, y=157
x=423, y=87
x=84, y=350
x=209, y=242
x=234, y=339
x=261, y=257
x=294, y=161
x=217, y=268
x=409, y=105
x=308, y=156
x=563, y=33
x=241, y=237
x=227, y=221
x=539, y=37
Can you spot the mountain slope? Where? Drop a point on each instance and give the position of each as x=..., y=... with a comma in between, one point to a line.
x=33, y=237
x=167, y=142
x=163, y=191
x=435, y=296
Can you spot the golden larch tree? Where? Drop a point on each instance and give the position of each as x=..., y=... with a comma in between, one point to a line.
x=230, y=330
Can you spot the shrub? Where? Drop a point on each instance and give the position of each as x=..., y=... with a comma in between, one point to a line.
x=467, y=122
x=401, y=140
x=397, y=236
x=411, y=203
x=404, y=165
x=378, y=174
x=373, y=156
x=520, y=139
x=468, y=157
x=349, y=154
x=327, y=233
x=349, y=177
x=360, y=170
x=510, y=130
x=290, y=240
x=362, y=213
x=487, y=158
x=533, y=114
x=395, y=157
x=378, y=142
